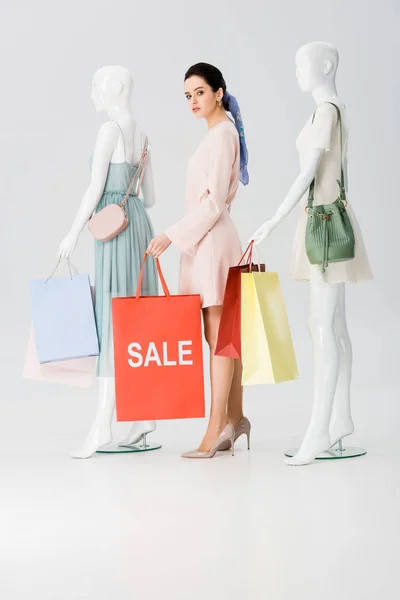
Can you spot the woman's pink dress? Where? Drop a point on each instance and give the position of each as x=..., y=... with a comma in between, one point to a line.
x=207, y=236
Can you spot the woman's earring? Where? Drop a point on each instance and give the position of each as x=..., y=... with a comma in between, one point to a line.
x=219, y=103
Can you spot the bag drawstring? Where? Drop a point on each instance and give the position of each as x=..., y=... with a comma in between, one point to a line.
x=326, y=243
x=325, y=238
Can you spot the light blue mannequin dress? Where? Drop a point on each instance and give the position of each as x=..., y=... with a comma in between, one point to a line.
x=118, y=261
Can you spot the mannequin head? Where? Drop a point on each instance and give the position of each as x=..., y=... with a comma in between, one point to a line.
x=204, y=90
x=316, y=65
x=111, y=86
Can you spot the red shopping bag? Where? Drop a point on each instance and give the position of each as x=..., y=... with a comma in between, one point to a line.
x=228, y=341
x=158, y=356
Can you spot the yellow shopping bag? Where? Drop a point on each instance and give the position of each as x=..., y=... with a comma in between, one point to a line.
x=267, y=348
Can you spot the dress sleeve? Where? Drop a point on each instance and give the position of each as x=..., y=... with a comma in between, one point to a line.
x=323, y=128
x=187, y=232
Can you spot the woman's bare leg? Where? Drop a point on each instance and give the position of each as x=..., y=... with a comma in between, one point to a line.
x=221, y=376
x=235, y=400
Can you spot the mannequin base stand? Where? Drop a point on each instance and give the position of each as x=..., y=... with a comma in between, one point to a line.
x=142, y=446
x=338, y=452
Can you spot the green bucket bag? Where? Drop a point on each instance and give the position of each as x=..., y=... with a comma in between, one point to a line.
x=329, y=233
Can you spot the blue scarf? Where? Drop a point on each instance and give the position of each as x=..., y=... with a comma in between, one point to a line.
x=233, y=107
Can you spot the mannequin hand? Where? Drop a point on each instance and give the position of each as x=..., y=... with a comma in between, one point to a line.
x=67, y=245
x=263, y=232
x=158, y=245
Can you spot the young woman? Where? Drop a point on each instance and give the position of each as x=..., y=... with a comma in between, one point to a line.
x=210, y=243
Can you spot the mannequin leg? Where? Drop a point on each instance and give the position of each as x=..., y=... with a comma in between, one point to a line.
x=324, y=301
x=221, y=375
x=100, y=433
x=341, y=422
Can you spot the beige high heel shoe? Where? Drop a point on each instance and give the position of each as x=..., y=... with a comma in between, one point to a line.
x=241, y=427
x=227, y=436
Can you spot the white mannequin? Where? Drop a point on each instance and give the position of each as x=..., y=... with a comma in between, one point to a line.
x=111, y=92
x=331, y=416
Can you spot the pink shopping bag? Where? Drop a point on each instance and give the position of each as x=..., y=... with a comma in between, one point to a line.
x=78, y=372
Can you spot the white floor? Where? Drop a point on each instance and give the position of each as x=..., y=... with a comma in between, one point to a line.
x=156, y=526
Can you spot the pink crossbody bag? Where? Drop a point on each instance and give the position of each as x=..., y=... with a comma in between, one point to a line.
x=112, y=219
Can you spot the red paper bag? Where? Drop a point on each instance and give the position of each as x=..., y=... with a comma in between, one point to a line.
x=158, y=356
x=228, y=341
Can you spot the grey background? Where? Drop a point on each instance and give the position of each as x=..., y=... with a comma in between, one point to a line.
x=48, y=128
x=156, y=525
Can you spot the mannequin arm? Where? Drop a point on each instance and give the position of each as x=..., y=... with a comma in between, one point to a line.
x=148, y=183
x=106, y=142
x=293, y=197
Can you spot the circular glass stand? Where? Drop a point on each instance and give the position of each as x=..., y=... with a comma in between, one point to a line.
x=338, y=452
x=142, y=446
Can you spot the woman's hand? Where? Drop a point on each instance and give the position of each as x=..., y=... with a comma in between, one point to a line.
x=158, y=245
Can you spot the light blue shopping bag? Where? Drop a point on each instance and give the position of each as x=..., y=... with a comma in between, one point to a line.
x=63, y=318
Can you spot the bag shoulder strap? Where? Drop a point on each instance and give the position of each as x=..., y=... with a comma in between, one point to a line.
x=342, y=194
x=123, y=139
x=139, y=173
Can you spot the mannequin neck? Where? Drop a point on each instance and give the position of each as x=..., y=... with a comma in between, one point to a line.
x=326, y=92
x=120, y=112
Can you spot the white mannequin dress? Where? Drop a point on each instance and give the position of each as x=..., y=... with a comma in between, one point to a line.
x=324, y=133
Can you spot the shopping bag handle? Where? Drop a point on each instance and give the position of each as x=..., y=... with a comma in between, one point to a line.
x=249, y=251
x=71, y=268
x=161, y=276
x=258, y=259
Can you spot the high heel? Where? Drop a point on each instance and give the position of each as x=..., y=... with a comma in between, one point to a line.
x=241, y=427
x=138, y=433
x=227, y=436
